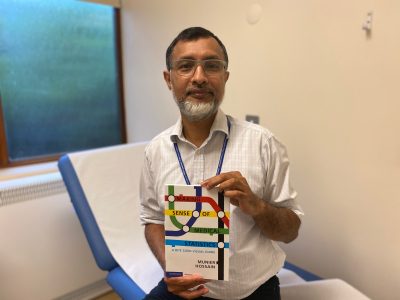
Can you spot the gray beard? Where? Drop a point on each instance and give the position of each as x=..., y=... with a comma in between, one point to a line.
x=197, y=111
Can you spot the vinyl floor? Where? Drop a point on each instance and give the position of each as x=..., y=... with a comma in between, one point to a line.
x=108, y=296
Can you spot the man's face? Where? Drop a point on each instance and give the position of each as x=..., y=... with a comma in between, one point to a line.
x=198, y=96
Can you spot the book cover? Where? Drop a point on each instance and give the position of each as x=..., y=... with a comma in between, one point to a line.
x=196, y=232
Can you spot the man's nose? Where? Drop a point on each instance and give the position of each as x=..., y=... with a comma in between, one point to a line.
x=199, y=76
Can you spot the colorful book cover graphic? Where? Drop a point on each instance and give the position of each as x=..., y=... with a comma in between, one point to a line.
x=196, y=232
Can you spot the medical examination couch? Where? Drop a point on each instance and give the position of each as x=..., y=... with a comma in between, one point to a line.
x=103, y=187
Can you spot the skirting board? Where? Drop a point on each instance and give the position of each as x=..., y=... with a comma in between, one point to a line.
x=88, y=292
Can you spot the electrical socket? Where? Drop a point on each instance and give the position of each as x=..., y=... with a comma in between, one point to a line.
x=253, y=119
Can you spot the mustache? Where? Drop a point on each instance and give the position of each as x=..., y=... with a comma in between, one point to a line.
x=199, y=90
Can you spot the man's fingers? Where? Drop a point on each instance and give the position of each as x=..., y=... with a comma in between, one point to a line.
x=235, y=187
x=230, y=184
x=185, y=279
x=234, y=202
x=235, y=184
x=235, y=195
x=195, y=293
x=212, y=182
x=183, y=283
x=218, y=179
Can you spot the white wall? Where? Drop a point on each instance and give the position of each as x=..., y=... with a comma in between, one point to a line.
x=327, y=90
x=43, y=252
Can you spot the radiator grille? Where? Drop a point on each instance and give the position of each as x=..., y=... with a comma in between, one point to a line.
x=31, y=188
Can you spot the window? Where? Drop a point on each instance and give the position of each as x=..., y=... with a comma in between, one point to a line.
x=60, y=79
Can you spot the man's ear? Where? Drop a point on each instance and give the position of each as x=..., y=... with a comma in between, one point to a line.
x=167, y=78
x=226, y=76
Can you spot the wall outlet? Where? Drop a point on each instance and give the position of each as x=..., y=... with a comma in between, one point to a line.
x=253, y=119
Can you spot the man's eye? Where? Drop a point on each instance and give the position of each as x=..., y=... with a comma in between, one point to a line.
x=213, y=66
x=185, y=66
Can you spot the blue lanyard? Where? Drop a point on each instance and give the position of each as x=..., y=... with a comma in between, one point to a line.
x=221, y=158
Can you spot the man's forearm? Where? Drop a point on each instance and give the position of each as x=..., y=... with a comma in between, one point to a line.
x=277, y=223
x=155, y=236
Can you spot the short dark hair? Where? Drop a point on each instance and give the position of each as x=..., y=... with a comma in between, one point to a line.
x=193, y=34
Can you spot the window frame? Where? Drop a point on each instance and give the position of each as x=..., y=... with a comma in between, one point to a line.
x=5, y=161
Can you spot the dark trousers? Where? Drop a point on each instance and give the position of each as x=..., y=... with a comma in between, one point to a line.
x=269, y=290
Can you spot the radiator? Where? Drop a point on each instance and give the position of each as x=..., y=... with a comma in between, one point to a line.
x=43, y=252
x=30, y=188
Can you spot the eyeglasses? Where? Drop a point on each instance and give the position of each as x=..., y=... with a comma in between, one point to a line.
x=186, y=67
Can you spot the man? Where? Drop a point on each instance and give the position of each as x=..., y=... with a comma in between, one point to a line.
x=254, y=175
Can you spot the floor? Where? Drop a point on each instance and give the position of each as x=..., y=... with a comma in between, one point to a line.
x=108, y=296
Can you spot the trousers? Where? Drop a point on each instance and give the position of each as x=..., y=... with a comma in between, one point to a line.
x=269, y=290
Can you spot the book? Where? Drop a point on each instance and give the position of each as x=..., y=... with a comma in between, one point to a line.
x=196, y=232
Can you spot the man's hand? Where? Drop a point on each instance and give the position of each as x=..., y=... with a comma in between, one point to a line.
x=277, y=223
x=187, y=286
x=235, y=187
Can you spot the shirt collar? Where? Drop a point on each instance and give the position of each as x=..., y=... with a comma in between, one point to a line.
x=220, y=124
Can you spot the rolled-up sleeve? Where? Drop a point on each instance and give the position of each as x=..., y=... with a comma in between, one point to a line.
x=278, y=189
x=150, y=210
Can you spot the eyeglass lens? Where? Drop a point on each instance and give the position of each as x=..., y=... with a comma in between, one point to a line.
x=186, y=67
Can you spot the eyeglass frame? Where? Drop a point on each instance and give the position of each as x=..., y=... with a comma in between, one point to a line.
x=197, y=63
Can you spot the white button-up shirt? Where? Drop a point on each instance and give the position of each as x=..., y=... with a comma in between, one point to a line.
x=262, y=160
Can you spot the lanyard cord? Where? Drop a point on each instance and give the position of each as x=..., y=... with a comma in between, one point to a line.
x=221, y=158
